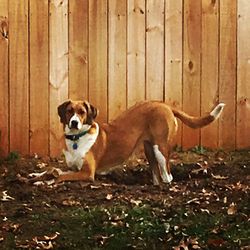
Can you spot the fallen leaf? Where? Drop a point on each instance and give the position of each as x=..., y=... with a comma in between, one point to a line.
x=136, y=202
x=190, y=243
x=70, y=203
x=195, y=200
x=50, y=237
x=106, y=185
x=11, y=227
x=101, y=239
x=205, y=210
x=174, y=189
x=41, y=165
x=37, y=175
x=6, y=197
x=203, y=167
x=109, y=197
x=94, y=187
x=50, y=182
x=219, y=177
x=44, y=244
x=232, y=209
x=38, y=183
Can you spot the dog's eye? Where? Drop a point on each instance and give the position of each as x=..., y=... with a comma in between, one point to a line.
x=81, y=112
x=69, y=111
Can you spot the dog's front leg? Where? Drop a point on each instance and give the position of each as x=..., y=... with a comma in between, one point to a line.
x=68, y=158
x=87, y=172
x=74, y=176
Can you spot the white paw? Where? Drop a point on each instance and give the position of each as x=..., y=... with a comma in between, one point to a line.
x=168, y=178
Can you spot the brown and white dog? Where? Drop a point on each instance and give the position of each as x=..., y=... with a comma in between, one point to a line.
x=94, y=148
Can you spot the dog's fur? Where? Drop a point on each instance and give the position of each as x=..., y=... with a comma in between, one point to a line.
x=104, y=146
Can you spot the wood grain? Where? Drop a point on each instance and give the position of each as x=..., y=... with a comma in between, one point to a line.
x=117, y=66
x=98, y=59
x=78, y=49
x=58, y=40
x=39, y=77
x=173, y=57
x=136, y=51
x=154, y=54
x=243, y=76
x=191, y=68
x=4, y=79
x=209, y=69
x=19, y=76
x=227, y=69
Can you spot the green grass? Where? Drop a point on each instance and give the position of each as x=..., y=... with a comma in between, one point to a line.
x=143, y=227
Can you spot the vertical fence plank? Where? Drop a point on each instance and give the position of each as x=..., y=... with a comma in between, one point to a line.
x=209, y=71
x=78, y=49
x=4, y=79
x=243, y=81
x=191, y=68
x=39, y=78
x=227, y=72
x=58, y=40
x=136, y=51
x=117, y=58
x=98, y=56
x=154, y=54
x=173, y=55
x=19, y=76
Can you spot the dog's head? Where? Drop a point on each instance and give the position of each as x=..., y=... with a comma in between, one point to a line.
x=76, y=114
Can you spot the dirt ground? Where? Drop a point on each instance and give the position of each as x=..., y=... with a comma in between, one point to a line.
x=205, y=207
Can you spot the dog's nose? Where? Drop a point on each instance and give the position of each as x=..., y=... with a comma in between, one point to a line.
x=74, y=124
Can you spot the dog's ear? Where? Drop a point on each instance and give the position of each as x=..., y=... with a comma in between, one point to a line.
x=61, y=110
x=91, y=112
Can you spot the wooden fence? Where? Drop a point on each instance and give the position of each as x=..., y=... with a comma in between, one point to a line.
x=190, y=53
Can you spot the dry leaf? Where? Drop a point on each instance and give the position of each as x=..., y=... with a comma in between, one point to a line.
x=195, y=200
x=106, y=185
x=11, y=227
x=6, y=197
x=41, y=165
x=203, y=167
x=109, y=197
x=136, y=202
x=71, y=203
x=232, y=209
x=188, y=244
x=94, y=187
x=50, y=237
x=219, y=177
x=37, y=175
x=205, y=210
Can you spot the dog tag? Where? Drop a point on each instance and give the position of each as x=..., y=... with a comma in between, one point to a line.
x=75, y=146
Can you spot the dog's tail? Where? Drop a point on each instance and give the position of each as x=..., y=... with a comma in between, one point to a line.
x=198, y=122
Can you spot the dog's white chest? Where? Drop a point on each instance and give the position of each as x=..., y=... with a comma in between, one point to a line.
x=76, y=150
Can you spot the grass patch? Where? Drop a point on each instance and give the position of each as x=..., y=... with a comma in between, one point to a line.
x=143, y=227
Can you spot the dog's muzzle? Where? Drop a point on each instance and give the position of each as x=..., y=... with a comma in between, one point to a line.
x=75, y=122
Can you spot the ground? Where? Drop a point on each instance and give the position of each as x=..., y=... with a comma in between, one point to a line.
x=205, y=207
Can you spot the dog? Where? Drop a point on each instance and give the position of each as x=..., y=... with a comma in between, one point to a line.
x=93, y=148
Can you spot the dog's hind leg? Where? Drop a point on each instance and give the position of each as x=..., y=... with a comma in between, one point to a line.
x=162, y=156
x=149, y=153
